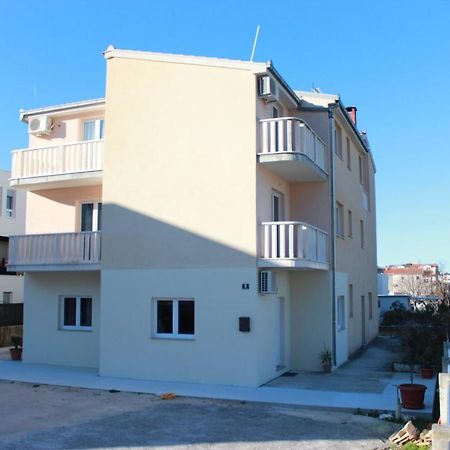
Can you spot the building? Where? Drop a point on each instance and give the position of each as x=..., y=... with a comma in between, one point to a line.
x=202, y=223
x=414, y=279
x=12, y=222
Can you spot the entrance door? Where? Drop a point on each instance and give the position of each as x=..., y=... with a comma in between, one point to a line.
x=363, y=320
x=280, y=330
x=91, y=216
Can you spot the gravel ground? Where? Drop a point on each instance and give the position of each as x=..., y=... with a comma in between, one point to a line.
x=50, y=417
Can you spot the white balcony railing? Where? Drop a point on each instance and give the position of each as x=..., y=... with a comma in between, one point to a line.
x=292, y=135
x=58, y=248
x=86, y=156
x=294, y=240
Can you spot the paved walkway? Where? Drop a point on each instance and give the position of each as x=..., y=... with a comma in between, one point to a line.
x=346, y=388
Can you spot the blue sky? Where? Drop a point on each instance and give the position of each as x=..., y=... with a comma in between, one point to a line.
x=390, y=58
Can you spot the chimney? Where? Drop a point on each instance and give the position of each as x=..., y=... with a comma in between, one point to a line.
x=352, y=113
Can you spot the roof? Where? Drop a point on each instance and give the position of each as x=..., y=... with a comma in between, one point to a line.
x=409, y=269
x=63, y=107
x=112, y=52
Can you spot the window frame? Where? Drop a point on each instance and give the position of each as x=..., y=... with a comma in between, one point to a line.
x=370, y=301
x=361, y=231
x=338, y=142
x=350, y=223
x=349, y=159
x=341, y=316
x=77, y=326
x=10, y=297
x=175, y=315
x=99, y=129
x=361, y=177
x=11, y=212
x=340, y=226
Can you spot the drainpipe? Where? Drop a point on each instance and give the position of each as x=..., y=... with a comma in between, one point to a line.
x=333, y=228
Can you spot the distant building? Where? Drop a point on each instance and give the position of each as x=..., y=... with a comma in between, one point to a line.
x=12, y=222
x=411, y=279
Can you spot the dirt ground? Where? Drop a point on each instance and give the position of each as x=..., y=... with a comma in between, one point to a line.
x=50, y=417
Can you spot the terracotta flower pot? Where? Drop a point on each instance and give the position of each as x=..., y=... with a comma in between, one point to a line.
x=426, y=372
x=412, y=395
x=16, y=354
x=326, y=368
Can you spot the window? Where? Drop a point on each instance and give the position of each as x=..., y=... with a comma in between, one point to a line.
x=338, y=141
x=341, y=313
x=370, y=306
x=174, y=318
x=350, y=224
x=361, y=225
x=349, y=156
x=339, y=220
x=7, y=297
x=93, y=129
x=350, y=299
x=76, y=313
x=91, y=216
x=360, y=170
x=10, y=203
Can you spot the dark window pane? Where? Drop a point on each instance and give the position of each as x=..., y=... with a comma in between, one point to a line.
x=87, y=210
x=99, y=217
x=164, y=316
x=86, y=312
x=186, y=317
x=70, y=314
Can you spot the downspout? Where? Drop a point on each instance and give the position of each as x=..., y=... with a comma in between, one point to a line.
x=333, y=228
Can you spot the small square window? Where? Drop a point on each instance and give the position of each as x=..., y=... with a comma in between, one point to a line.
x=7, y=297
x=174, y=318
x=76, y=313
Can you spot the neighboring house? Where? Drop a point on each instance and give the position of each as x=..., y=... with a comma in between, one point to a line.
x=12, y=222
x=414, y=279
x=382, y=282
x=203, y=223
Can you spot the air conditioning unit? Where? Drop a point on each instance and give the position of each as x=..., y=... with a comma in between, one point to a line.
x=41, y=125
x=267, y=282
x=268, y=89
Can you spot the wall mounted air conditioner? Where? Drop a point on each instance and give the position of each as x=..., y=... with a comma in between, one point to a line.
x=267, y=282
x=41, y=125
x=268, y=89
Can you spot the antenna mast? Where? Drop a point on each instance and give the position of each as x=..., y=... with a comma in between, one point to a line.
x=254, y=43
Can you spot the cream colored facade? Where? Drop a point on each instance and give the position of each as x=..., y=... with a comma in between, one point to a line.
x=212, y=177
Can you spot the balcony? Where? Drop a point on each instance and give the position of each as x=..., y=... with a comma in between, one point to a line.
x=293, y=245
x=55, y=252
x=67, y=165
x=292, y=150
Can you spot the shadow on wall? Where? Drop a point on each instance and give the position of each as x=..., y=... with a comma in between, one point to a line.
x=132, y=240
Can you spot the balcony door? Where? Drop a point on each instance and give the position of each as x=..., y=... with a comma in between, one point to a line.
x=93, y=129
x=91, y=216
x=278, y=216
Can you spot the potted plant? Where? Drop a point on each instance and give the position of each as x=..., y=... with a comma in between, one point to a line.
x=326, y=360
x=16, y=351
x=413, y=340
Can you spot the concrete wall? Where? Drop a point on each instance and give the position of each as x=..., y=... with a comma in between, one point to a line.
x=58, y=210
x=67, y=128
x=193, y=145
x=44, y=341
x=219, y=353
x=310, y=318
x=359, y=263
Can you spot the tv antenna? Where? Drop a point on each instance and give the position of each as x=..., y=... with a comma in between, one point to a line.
x=254, y=43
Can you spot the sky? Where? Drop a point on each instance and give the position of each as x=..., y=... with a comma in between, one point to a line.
x=389, y=58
